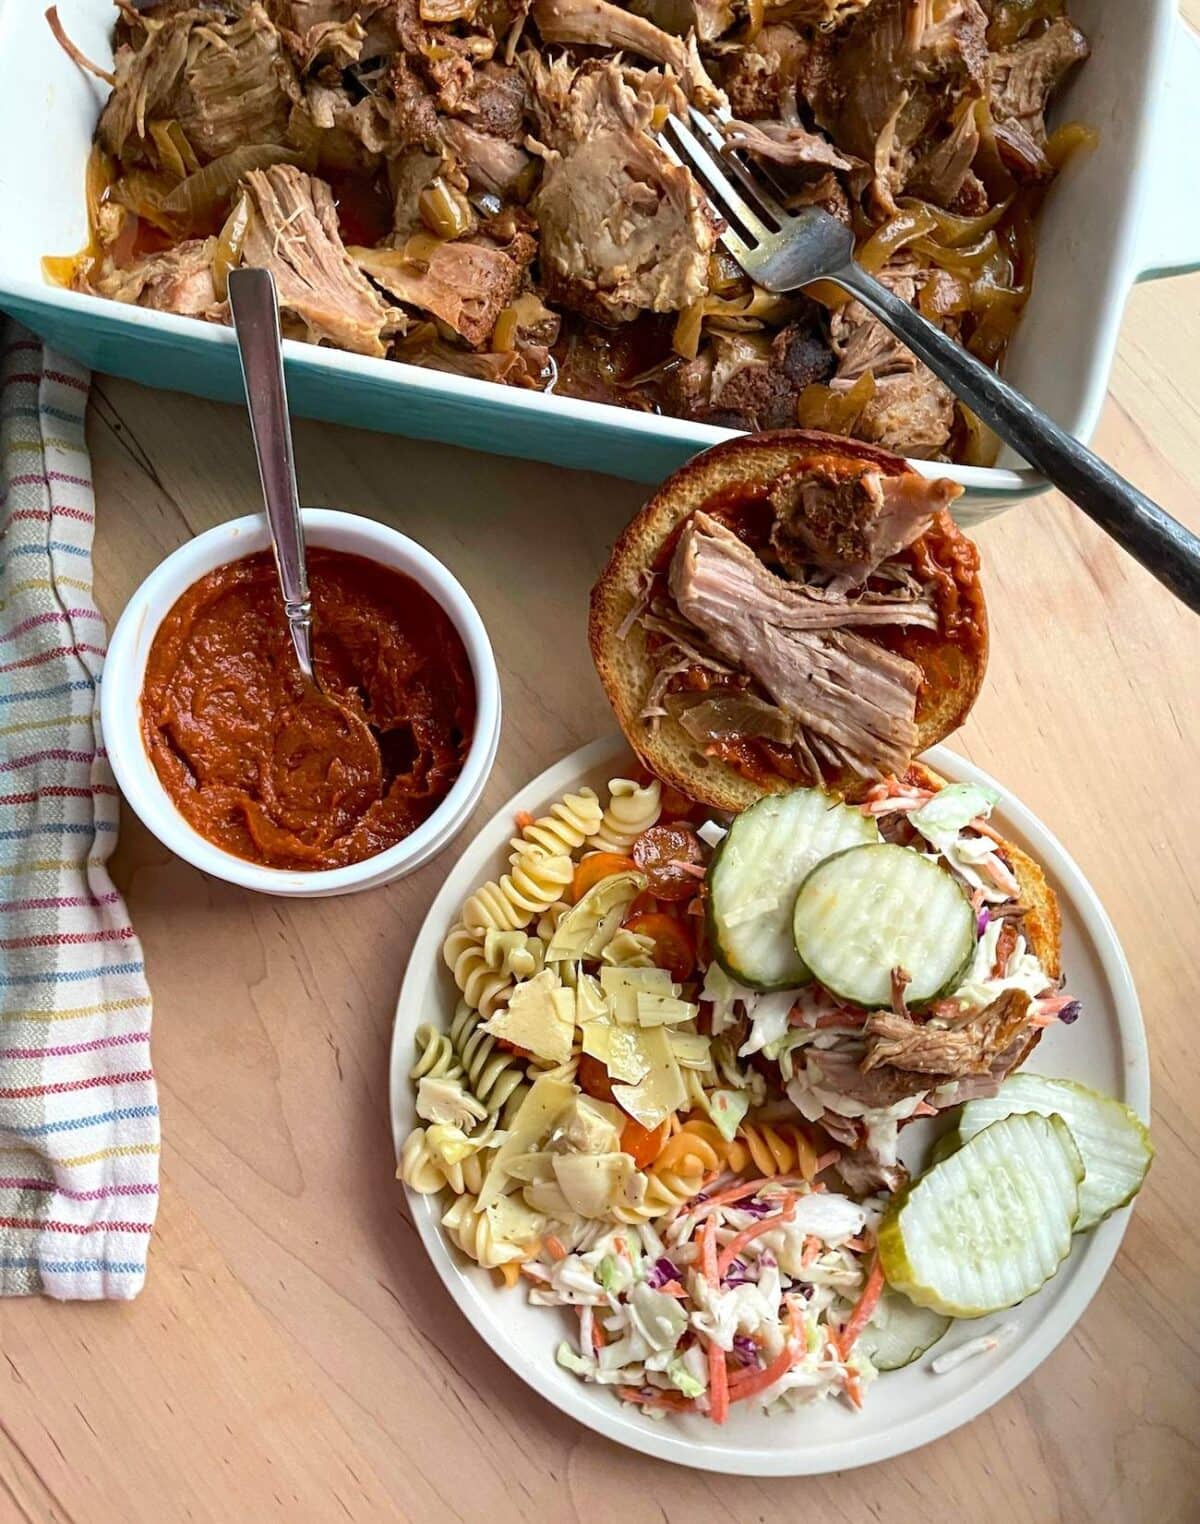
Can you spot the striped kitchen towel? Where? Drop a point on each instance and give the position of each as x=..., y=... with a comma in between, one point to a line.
x=78, y=1108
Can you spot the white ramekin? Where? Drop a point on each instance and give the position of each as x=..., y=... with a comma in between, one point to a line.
x=124, y=670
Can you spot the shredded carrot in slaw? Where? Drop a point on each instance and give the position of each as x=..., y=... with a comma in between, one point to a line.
x=861, y=1315
x=739, y=1241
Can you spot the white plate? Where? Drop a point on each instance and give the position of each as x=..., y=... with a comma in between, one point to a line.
x=904, y=1409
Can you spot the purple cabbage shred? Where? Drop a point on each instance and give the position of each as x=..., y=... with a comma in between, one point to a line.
x=984, y=917
x=745, y=1349
x=1070, y=1013
x=664, y=1270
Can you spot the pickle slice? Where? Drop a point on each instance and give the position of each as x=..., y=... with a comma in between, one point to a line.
x=991, y=1224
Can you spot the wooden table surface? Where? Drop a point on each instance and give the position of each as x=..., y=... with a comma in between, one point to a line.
x=293, y=1356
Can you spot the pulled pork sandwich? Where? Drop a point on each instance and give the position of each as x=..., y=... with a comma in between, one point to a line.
x=789, y=608
x=910, y=970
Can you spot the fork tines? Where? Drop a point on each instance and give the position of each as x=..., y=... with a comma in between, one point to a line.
x=753, y=217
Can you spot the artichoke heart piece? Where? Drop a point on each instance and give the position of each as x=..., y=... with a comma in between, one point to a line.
x=590, y=1004
x=588, y=1126
x=443, y=1098
x=591, y=1183
x=539, y=1017
x=591, y=923
x=624, y=987
x=512, y=1221
x=530, y=1128
x=652, y=1099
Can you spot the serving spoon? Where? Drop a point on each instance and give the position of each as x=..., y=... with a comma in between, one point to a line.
x=255, y=308
x=783, y=251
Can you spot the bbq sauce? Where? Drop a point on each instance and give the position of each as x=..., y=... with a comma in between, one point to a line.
x=261, y=766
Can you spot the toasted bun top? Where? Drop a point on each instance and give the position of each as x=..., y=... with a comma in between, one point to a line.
x=952, y=669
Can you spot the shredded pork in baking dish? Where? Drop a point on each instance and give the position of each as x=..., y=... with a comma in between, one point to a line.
x=475, y=186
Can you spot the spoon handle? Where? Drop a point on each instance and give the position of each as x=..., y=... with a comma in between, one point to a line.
x=252, y=301
x=1167, y=549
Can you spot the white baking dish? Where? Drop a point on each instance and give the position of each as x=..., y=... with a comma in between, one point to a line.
x=1127, y=211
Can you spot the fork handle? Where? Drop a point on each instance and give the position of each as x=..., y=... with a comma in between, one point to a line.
x=1167, y=549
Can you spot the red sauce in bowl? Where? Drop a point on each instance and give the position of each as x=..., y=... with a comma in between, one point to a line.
x=257, y=763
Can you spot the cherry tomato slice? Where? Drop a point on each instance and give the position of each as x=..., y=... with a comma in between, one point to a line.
x=643, y=1144
x=667, y=855
x=673, y=948
x=593, y=1079
x=595, y=866
x=643, y=903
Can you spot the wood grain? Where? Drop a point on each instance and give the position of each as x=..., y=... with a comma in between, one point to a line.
x=292, y=1356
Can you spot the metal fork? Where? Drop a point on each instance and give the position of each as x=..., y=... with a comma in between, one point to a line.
x=783, y=251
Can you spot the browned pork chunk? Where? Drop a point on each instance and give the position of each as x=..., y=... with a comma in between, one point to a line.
x=749, y=381
x=623, y=230
x=971, y=1047
x=464, y=284
x=220, y=72
x=769, y=70
x=490, y=163
x=1023, y=78
x=895, y=80
x=293, y=232
x=852, y=524
x=795, y=642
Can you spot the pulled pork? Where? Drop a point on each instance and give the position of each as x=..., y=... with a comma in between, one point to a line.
x=972, y=1046
x=855, y=700
x=921, y=124
x=293, y=232
x=770, y=631
x=623, y=230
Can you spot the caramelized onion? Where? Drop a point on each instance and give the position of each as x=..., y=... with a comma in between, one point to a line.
x=444, y=210
x=980, y=445
x=908, y=223
x=834, y=412
x=1012, y=19
x=175, y=154
x=1068, y=140
x=952, y=230
x=228, y=253
x=146, y=193
x=685, y=340
x=197, y=200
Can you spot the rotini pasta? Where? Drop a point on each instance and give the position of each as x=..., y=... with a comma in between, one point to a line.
x=565, y=828
x=418, y=1167
x=695, y=1150
x=435, y=1058
x=483, y=987
x=513, y=953
x=519, y=897
x=470, y=1229
x=548, y=920
x=763, y=1148
x=664, y=1192
x=632, y=809
x=494, y=1077
x=776, y=1148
